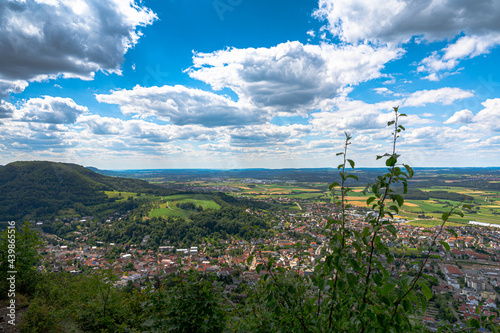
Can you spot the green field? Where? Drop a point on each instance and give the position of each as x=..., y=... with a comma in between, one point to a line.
x=122, y=195
x=167, y=205
x=126, y=195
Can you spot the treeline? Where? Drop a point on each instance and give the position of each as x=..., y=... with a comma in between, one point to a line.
x=218, y=224
x=223, y=200
x=416, y=194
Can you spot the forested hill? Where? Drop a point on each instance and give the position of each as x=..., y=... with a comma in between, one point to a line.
x=40, y=189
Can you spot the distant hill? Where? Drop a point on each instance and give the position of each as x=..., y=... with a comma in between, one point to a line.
x=39, y=189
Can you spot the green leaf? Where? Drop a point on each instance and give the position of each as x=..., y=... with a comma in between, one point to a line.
x=446, y=246
x=399, y=199
x=387, y=288
x=352, y=280
x=407, y=305
x=351, y=162
x=394, y=208
x=451, y=231
x=377, y=278
x=370, y=200
x=426, y=290
x=391, y=161
x=389, y=123
x=352, y=176
x=339, y=154
x=445, y=216
x=332, y=185
x=410, y=170
x=392, y=229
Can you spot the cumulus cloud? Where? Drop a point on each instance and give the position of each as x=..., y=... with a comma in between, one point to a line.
x=476, y=24
x=383, y=91
x=444, y=96
x=461, y=117
x=181, y=106
x=140, y=129
x=266, y=135
x=73, y=38
x=6, y=109
x=489, y=117
x=449, y=57
x=52, y=110
x=397, y=21
x=291, y=77
x=351, y=115
x=7, y=87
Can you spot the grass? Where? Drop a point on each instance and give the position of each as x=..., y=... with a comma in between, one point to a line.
x=167, y=206
x=122, y=195
x=433, y=223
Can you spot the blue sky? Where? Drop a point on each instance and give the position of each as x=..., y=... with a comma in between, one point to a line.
x=124, y=84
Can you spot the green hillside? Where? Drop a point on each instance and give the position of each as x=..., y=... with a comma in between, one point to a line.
x=41, y=189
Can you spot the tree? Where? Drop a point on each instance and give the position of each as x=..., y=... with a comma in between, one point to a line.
x=187, y=303
x=18, y=253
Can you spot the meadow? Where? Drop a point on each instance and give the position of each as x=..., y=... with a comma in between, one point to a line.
x=167, y=206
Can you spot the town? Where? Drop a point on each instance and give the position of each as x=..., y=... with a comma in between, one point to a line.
x=467, y=278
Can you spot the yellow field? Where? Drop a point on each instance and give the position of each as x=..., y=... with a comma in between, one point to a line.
x=306, y=189
x=357, y=203
x=410, y=204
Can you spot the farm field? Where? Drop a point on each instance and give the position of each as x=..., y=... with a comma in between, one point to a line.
x=425, y=213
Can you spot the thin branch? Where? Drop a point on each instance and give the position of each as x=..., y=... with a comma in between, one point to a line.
x=420, y=271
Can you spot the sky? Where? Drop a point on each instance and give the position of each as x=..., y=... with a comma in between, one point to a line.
x=228, y=84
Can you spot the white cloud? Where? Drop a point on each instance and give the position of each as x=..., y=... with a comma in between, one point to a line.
x=52, y=110
x=291, y=77
x=397, y=21
x=461, y=117
x=267, y=135
x=15, y=86
x=383, y=91
x=73, y=38
x=489, y=117
x=181, y=106
x=353, y=116
x=6, y=109
x=494, y=140
x=143, y=130
x=449, y=57
x=444, y=96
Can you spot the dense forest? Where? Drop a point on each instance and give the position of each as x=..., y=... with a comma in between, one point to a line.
x=217, y=224
x=416, y=194
x=40, y=189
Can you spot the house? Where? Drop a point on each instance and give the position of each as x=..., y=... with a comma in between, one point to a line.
x=453, y=271
x=442, y=289
x=490, y=303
